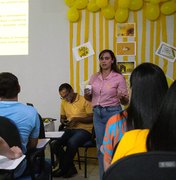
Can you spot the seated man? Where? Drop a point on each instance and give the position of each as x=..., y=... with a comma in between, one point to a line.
x=24, y=117
x=76, y=114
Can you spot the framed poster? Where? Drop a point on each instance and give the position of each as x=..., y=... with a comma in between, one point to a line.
x=166, y=51
x=126, y=29
x=83, y=51
x=126, y=67
x=126, y=49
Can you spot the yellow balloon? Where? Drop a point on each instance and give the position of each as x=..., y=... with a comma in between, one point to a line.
x=102, y=3
x=168, y=7
x=163, y=0
x=73, y=14
x=123, y=3
x=152, y=11
x=108, y=12
x=135, y=5
x=81, y=4
x=92, y=6
x=115, y=4
x=121, y=15
x=154, y=1
x=69, y=3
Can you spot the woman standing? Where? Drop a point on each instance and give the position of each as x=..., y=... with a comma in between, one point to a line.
x=108, y=91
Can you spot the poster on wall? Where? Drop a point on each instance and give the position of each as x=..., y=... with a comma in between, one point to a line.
x=126, y=29
x=83, y=51
x=126, y=49
x=126, y=67
x=166, y=51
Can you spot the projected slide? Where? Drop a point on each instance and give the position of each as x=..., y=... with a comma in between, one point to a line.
x=14, y=27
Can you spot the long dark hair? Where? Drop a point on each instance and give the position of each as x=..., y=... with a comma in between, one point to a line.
x=163, y=134
x=149, y=86
x=114, y=64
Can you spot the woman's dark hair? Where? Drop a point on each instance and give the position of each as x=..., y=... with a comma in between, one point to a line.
x=9, y=86
x=148, y=87
x=163, y=134
x=114, y=64
x=65, y=86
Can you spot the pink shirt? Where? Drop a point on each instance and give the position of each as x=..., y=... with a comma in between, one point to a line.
x=108, y=91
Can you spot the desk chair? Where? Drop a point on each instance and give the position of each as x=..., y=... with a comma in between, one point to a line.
x=13, y=139
x=144, y=166
x=86, y=146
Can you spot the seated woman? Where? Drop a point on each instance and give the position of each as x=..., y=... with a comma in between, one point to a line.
x=162, y=137
x=148, y=87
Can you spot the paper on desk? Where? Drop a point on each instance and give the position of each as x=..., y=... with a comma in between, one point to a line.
x=9, y=164
x=42, y=142
x=54, y=134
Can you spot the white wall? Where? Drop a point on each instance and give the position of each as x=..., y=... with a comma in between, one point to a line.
x=47, y=65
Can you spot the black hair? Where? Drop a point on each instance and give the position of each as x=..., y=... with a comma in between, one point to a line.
x=163, y=134
x=148, y=87
x=114, y=66
x=66, y=86
x=9, y=85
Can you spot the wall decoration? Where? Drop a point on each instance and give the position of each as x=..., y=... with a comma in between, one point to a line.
x=126, y=29
x=102, y=34
x=166, y=51
x=126, y=49
x=121, y=8
x=83, y=51
x=126, y=67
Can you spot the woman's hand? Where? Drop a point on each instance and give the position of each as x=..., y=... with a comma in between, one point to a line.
x=87, y=91
x=87, y=94
x=124, y=100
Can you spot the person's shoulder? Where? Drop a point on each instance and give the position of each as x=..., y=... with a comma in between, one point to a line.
x=136, y=132
x=95, y=75
x=82, y=98
x=118, y=75
x=27, y=109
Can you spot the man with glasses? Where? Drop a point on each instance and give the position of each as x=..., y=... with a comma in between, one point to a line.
x=77, y=117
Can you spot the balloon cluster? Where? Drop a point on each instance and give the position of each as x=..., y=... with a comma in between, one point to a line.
x=120, y=9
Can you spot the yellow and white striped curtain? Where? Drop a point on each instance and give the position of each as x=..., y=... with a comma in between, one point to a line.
x=101, y=33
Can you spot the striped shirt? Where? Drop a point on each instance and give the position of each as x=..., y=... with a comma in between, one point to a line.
x=115, y=129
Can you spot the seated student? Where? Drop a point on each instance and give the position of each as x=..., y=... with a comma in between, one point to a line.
x=11, y=153
x=77, y=115
x=161, y=137
x=24, y=117
x=148, y=87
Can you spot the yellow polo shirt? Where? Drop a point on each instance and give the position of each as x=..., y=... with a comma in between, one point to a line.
x=79, y=108
x=132, y=142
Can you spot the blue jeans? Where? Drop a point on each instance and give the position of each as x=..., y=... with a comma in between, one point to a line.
x=72, y=139
x=101, y=116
